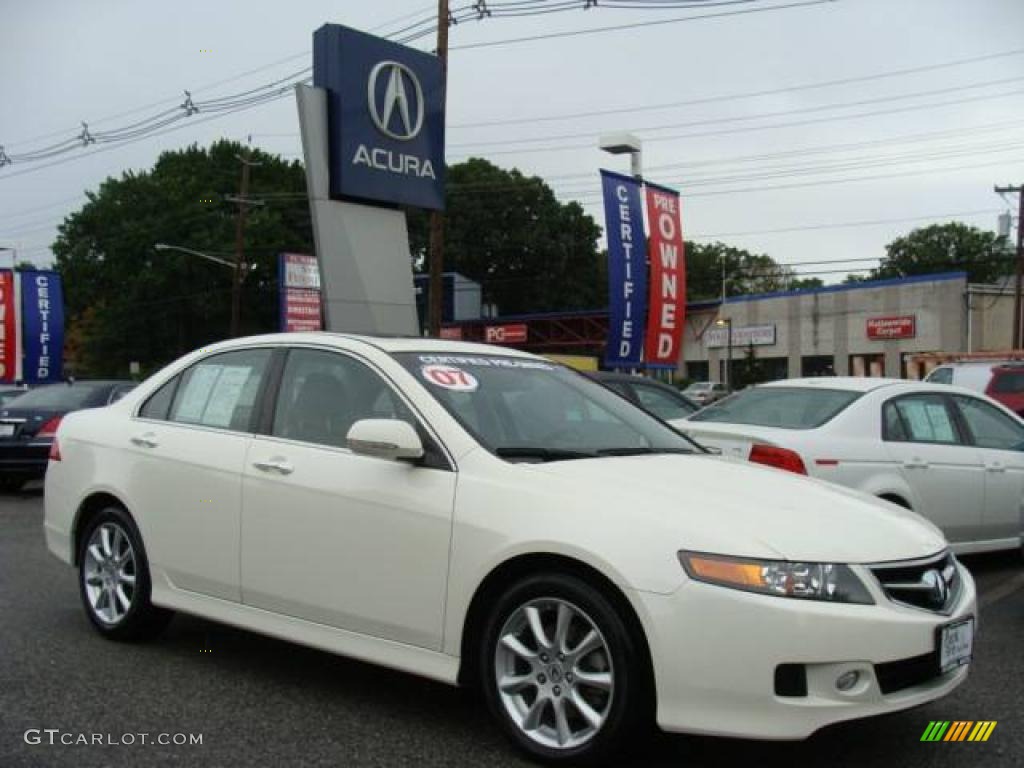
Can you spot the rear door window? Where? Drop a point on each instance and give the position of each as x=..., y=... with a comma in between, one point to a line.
x=920, y=419
x=1008, y=383
x=940, y=376
x=221, y=391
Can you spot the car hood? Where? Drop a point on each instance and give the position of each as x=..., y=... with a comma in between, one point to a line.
x=733, y=507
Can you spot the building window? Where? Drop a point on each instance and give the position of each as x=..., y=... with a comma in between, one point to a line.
x=817, y=365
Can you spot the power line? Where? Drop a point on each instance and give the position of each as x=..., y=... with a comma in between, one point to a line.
x=735, y=96
x=637, y=25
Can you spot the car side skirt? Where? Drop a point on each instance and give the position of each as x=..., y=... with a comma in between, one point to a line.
x=386, y=653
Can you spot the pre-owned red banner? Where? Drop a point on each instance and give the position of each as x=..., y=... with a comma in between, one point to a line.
x=667, y=306
x=8, y=327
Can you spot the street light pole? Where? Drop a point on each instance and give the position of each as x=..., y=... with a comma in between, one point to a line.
x=435, y=250
x=727, y=323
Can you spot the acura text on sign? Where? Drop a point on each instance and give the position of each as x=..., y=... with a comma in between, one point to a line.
x=668, y=279
x=627, y=270
x=898, y=327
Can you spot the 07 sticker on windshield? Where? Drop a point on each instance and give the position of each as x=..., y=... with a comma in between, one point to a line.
x=450, y=377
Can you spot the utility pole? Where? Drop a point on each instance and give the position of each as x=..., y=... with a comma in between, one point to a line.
x=436, y=249
x=1018, y=319
x=236, y=280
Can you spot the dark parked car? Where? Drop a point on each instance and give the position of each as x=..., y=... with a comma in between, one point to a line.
x=662, y=400
x=9, y=393
x=29, y=422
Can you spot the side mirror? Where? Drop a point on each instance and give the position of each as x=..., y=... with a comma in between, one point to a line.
x=385, y=439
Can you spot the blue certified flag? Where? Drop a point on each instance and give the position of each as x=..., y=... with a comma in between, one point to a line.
x=42, y=326
x=627, y=270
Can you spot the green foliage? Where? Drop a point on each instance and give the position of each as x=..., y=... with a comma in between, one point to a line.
x=947, y=248
x=510, y=233
x=126, y=301
x=745, y=272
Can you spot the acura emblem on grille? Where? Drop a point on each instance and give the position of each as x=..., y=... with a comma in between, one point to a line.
x=936, y=585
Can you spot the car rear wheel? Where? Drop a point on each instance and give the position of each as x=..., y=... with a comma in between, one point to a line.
x=114, y=579
x=560, y=670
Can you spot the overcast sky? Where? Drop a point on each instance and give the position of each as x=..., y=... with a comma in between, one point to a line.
x=932, y=142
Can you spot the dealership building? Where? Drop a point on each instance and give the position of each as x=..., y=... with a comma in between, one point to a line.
x=898, y=328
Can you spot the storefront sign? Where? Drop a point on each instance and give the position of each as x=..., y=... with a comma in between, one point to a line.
x=299, y=280
x=627, y=270
x=506, y=334
x=742, y=336
x=8, y=328
x=896, y=327
x=385, y=112
x=664, y=341
x=42, y=321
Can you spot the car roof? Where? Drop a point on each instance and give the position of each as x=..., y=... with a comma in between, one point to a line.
x=389, y=344
x=863, y=384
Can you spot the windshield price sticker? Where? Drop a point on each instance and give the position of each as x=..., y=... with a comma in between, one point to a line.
x=484, y=362
x=450, y=377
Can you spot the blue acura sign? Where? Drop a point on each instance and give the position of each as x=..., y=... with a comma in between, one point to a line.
x=385, y=118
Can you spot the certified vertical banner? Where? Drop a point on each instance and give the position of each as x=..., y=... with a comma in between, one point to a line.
x=42, y=326
x=664, y=341
x=8, y=328
x=299, y=287
x=627, y=269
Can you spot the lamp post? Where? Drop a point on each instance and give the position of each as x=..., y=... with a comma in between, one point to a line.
x=726, y=322
x=625, y=144
x=240, y=268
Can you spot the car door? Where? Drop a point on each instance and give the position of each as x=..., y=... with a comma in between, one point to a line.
x=923, y=436
x=186, y=449
x=1000, y=441
x=337, y=538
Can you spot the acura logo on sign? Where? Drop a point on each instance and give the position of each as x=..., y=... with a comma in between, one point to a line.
x=395, y=97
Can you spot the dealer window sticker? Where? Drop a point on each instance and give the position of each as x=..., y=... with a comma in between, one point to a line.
x=485, y=362
x=449, y=377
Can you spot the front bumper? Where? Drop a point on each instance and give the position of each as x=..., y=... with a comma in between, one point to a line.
x=716, y=651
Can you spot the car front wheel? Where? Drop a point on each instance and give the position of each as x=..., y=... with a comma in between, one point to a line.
x=561, y=671
x=114, y=579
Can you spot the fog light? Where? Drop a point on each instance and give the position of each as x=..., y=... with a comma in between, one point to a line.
x=847, y=680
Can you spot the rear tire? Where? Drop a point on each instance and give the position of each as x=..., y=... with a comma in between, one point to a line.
x=113, y=579
x=561, y=671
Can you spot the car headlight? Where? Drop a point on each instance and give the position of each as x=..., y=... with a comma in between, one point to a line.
x=830, y=582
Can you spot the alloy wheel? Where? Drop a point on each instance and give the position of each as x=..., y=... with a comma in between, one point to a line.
x=554, y=674
x=109, y=573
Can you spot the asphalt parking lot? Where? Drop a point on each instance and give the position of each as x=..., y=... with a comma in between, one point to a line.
x=258, y=701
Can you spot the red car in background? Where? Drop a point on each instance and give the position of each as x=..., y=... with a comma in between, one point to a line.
x=1000, y=380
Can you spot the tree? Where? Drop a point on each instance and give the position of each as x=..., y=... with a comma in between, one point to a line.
x=125, y=301
x=510, y=233
x=946, y=248
x=745, y=272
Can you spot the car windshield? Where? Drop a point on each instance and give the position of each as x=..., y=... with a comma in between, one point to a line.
x=784, y=407
x=532, y=410
x=60, y=396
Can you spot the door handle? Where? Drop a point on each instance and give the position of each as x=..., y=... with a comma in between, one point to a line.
x=915, y=463
x=280, y=466
x=147, y=440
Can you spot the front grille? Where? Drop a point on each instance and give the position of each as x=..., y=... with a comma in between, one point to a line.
x=931, y=584
x=895, y=676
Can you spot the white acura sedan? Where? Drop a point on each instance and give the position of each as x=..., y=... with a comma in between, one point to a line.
x=485, y=517
x=949, y=453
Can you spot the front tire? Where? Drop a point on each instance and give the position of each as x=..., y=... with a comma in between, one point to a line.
x=114, y=579
x=561, y=671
